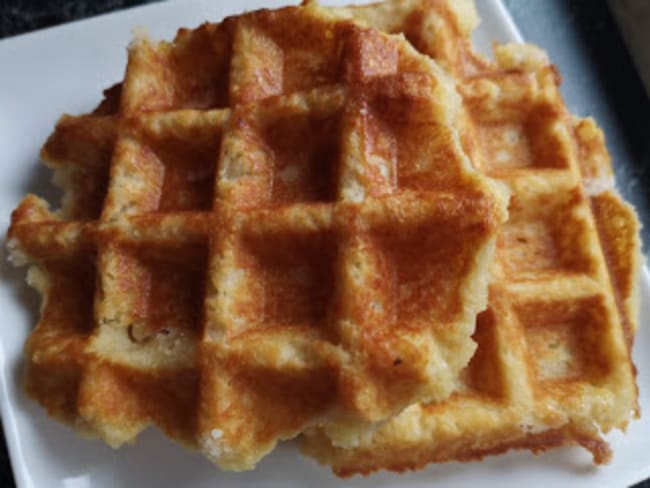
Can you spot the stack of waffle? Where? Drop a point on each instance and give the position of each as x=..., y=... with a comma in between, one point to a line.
x=341, y=223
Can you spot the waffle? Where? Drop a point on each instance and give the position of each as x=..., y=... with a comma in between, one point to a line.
x=553, y=363
x=269, y=225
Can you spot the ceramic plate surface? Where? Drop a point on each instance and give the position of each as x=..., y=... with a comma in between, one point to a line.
x=64, y=69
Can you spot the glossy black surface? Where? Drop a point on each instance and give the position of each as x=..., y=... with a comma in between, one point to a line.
x=580, y=36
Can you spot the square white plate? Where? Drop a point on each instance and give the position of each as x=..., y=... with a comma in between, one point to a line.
x=64, y=69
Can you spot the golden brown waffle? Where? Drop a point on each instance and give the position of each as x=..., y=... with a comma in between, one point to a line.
x=553, y=363
x=270, y=225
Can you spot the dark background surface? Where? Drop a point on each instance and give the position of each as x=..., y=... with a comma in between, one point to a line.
x=580, y=36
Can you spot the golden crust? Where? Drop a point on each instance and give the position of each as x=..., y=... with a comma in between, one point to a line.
x=271, y=224
x=553, y=362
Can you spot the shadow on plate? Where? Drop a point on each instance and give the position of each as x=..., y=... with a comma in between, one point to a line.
x=156, y=461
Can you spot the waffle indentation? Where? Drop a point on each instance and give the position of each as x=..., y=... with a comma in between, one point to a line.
x=543, y=234
x=403, y=144
x=69, y=309
x=424, y=159
x=54, y=348
x=199, y=63
x=566, y=338
x=191, y=73
x=422, y=262
x=188, y=157
x=189, y=176
x=532, y=140
x=305, y=58
x=305, y=158
x=296, y=276
x=81, y=149
x=174, y=289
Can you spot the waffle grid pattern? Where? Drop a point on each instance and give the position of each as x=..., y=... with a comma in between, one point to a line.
x=253, y=244
x=553, y=363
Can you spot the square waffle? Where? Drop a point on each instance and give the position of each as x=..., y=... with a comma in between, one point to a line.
x=553, y=363
x=270, y=224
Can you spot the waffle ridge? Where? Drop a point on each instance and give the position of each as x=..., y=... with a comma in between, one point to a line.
x=553, y=365
x=263, y=229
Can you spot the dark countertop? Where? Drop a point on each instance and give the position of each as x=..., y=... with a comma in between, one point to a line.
x=580, y=36
x=599, y=80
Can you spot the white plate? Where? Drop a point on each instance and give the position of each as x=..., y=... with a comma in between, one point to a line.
x=64, y=69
